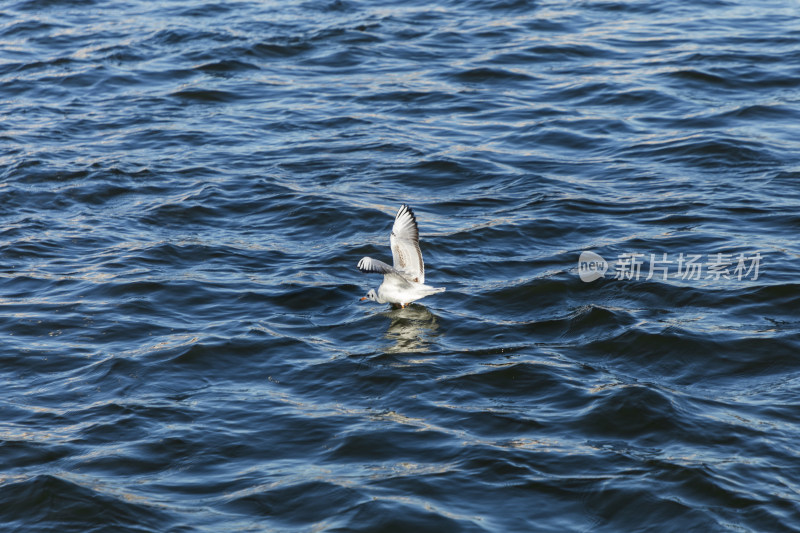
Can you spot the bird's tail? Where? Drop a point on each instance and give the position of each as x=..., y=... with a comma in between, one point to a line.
x=433, y=290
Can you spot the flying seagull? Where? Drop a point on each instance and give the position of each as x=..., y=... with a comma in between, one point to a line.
x=404, y=282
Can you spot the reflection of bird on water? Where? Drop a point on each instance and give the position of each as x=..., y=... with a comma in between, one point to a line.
x=411, y=328
x=404, y=282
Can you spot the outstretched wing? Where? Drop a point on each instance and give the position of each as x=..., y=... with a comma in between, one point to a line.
x=368, y=264
x=405, y=245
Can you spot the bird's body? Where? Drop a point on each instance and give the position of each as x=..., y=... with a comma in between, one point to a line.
x=404, y=282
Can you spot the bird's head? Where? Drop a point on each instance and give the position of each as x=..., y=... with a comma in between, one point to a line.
x=371, y=295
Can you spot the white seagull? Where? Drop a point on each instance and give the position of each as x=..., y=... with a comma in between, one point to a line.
x=405, y=281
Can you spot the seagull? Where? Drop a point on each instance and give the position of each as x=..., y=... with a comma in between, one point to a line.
x=404, y=282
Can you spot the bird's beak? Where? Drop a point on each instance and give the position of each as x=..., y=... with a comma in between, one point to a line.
x=362, y=299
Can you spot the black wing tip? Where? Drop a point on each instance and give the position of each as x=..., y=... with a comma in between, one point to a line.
x=368, y=265
x=406, y=207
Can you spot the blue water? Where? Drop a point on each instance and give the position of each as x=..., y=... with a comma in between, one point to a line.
x=186, y=188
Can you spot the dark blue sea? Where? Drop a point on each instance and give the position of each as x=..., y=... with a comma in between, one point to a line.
x=609, y=190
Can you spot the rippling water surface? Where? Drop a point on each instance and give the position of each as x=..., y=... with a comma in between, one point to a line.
x=187, y=187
